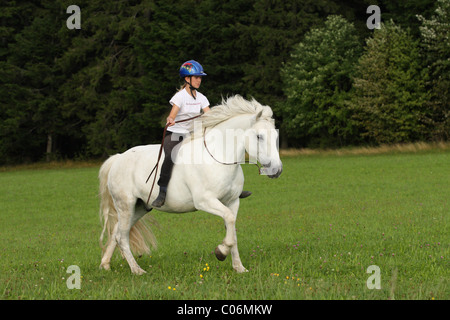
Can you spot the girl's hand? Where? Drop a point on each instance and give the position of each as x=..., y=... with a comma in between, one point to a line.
x=170, y=121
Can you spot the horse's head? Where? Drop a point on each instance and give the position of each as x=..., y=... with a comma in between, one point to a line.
x=239, y=118
x=262, y=143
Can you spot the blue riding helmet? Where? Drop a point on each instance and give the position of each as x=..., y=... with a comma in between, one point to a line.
x=191, y=68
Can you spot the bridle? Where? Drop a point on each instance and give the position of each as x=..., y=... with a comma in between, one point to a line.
x=228, y=163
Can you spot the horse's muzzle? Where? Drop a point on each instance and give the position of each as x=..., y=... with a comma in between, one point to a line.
x=273, y=172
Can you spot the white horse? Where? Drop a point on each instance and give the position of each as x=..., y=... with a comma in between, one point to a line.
x=206, y=176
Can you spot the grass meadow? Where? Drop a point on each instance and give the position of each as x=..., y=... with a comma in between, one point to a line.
x=311, y=234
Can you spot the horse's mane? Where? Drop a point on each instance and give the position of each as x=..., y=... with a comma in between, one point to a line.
x=230, y=107
x=233, y=106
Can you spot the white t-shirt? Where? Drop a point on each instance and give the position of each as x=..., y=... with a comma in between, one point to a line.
x=189, y=107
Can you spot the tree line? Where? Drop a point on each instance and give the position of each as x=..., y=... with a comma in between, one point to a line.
x=90, y=92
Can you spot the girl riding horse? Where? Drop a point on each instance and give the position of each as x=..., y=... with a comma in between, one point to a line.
x=186, y=103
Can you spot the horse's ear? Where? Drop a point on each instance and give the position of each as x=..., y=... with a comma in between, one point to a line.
x=256, y=117
x=259, y=115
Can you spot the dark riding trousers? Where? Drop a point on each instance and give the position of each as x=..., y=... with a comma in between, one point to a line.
x=171, y=140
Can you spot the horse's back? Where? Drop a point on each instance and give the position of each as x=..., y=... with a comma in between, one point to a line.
x=130, y=169
x=138, y=162
x=144, y=149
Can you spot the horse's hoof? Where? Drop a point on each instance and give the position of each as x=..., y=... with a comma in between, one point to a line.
x=219, y=255
x=138, y=271
x=240, y=269
x=105, y=266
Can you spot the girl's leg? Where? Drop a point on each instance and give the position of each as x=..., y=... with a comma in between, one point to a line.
x=170, y=142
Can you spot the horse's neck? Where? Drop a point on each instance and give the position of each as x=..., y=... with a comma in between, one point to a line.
x=226, y=141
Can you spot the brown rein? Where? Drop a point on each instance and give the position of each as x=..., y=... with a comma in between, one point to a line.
x=228, y=163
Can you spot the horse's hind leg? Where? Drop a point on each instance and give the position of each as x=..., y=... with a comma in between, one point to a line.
x=126, y=220
x=105, y=264
x=111, y=246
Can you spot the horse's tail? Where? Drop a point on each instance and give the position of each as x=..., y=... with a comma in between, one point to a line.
x=141, y=235
x=108, y=213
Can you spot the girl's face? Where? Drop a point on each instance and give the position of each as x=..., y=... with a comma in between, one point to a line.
x=195, y=81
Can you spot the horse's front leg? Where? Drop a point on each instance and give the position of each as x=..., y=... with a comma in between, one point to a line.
x=229, y=243
x=235, y=258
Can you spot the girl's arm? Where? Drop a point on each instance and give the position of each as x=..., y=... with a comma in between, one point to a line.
x=172, y=115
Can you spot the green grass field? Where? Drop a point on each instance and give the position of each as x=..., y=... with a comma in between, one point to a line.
x=311, y=234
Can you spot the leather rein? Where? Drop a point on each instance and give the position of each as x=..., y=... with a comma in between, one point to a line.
x=228, y=163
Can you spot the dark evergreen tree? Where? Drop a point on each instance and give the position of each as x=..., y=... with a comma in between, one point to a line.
x=389, y=104
x=435, y=34
x=30, y=114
